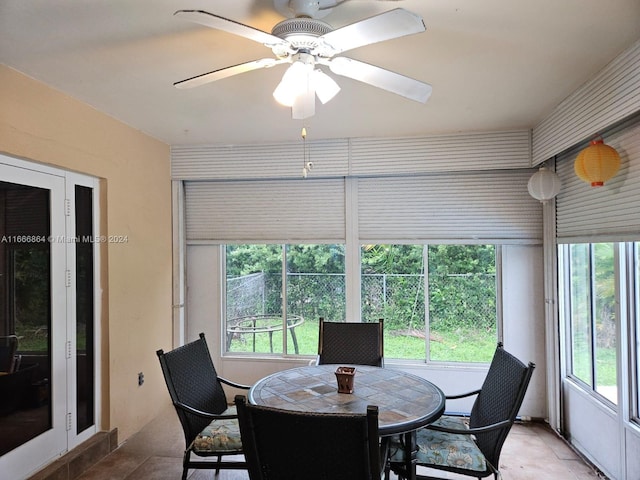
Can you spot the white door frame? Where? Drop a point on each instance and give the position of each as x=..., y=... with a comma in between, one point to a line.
x=42, y=450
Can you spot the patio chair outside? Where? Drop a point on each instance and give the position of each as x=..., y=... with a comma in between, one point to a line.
x=474, y=450
x=209, y=424
x=290, y=445
x=8, y=349
x=353, y=343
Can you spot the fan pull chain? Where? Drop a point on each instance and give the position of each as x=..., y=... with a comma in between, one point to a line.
x=307, y=164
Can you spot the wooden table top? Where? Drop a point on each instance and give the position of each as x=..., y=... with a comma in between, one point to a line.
x=405, y=401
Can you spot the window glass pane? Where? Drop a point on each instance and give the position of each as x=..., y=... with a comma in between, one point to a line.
x=254, y=298
x=25, y=314
x=605, y=321
x=593, y=333
x=461, y=298
x=393, y=289
x=314, y=286
x=462, y=302
x=84, y=308
x=580, y=287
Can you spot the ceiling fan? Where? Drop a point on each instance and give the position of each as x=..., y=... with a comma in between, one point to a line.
x=306, y=43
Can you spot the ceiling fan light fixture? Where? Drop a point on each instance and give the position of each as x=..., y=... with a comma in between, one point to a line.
x=326, y=87
x=283, y=94
x=293, y=84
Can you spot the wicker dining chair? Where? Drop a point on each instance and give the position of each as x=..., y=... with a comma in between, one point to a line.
x=209, y=424
x=473, y=448
x=356, y=343
x=291, y=445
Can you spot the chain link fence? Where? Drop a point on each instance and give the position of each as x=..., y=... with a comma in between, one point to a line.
x=463, y=300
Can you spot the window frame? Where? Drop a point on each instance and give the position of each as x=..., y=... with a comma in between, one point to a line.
x=621, y=262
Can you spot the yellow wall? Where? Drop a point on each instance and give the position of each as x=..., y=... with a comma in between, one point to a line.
x=46, y=126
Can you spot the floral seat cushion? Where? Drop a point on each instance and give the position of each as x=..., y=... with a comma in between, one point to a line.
x=445, y=449
x=219, y=436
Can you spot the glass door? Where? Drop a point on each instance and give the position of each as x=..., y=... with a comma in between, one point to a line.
x=33, y=343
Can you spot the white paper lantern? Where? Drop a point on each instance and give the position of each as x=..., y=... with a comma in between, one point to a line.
x=544, y=185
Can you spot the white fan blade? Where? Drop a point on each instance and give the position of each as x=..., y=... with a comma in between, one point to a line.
x=304, y=106
x=220, y=23
x=381, y=78
x=227, y=72
x=392, y=24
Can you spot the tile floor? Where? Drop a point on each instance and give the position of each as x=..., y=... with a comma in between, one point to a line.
x=532, y=452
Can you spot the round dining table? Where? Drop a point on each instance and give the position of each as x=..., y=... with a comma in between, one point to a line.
x=405, y=401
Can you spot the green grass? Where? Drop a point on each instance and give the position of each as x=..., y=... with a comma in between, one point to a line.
x=31, y=341
x=460, y=345
x=38, y=341
x=606, y=365
x=446, y=346
x=606, y=370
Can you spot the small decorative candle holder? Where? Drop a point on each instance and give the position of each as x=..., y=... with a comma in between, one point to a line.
x=344, y=376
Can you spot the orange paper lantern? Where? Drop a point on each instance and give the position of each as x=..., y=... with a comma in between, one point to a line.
x=597, y=163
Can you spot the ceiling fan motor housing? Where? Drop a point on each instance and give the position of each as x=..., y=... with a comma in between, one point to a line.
x=301, y=33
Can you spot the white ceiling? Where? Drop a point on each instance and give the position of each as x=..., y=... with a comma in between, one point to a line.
x=493, y=64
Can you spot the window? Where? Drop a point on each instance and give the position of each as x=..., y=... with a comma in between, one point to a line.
x=580, y=294
x=461, y=320
x=590, y=280
x=392, y=282
x=312, y=286
x=460, y=292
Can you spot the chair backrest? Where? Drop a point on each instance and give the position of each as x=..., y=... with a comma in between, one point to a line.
x=289, y=445
x=499, y=399
x=351, y=343
x=8, y=348
x=192, y=380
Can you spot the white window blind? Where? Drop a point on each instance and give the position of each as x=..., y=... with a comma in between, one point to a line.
x=607, y=213
x=611, y=96
x=310, y=210
x=465, y=207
